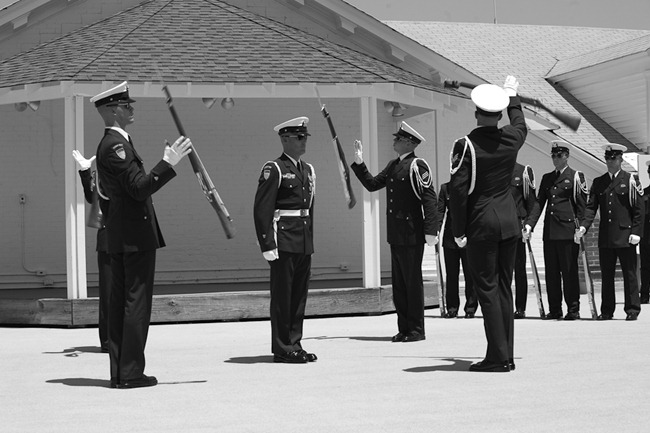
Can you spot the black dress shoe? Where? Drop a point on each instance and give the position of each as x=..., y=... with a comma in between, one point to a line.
x=632, y=316
x=572, y=316
x=470, y=315
x=645, y=300
x=605, y=317
x=295, y=357
x=414, y=336
x=554, y=316
x=140, y=382
x=398, y=338
x=520, y=314
x=311, y=357
x=511, y=364
x=490, y=367
x=452, y=314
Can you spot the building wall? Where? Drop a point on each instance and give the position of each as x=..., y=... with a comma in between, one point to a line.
x=233, y=144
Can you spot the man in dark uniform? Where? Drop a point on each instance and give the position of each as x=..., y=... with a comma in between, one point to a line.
x=619, y=197
x=644, y=246
x=411, y=220
x=564, y=193
x=454, y=256
x=132, y=232
x=484, y=214
x=283, y=210
x=89, y=182
x=522, y=188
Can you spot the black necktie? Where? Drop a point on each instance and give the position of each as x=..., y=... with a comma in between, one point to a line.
x=557, y=174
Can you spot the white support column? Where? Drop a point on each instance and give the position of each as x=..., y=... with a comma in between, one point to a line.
x=75, y=227
x=647, y=111
x=371, y=229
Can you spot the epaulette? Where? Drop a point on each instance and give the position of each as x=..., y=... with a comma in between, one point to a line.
x=420, y=181
x=456, y=159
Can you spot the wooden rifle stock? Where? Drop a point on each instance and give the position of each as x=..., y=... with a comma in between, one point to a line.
x=589, y=281
x=572, y=121
x=202, y=175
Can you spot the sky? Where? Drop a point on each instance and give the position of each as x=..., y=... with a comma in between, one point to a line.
x=618, y=14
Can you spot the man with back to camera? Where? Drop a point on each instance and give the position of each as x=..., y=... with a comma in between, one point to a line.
x=485, y=216
x=132, y=232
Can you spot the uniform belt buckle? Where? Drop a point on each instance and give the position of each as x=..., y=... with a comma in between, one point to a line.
x=304, y=212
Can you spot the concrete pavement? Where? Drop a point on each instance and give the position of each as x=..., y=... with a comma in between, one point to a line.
x=219, y=377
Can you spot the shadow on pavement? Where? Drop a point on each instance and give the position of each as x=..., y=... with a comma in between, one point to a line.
x=456, y=365
x=261, y=359
x=82, y=381
x=75, y=351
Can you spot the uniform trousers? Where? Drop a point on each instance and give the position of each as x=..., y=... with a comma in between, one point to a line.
x=289, y=285
x=645, y=270
x=408, y=288
x=129, y=312
x=561, y=262
x=521, y=277
x=454, y=257
x=491, y=264
x=104, y=268
x=627, y=257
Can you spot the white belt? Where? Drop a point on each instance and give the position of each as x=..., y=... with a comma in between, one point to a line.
x=292, y=212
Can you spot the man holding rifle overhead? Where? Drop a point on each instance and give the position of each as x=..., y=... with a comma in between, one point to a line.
x=618, y=196
x=132, y=232
x=564, y=193
x=411, y=220
x=484, y=213
x=283, y=212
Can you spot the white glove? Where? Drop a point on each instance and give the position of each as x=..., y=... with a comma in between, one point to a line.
x=84, y=164
x=358, y=152
x=431, y=240
x=510, y=86
x=271, y=255
x=525, y=233
x=634, y=239
x=461, y=241
x=579, y=233
x=174, y=153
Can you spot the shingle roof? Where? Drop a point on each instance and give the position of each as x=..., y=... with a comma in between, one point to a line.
x=639, y=45
x=199, y=41
x=492, y=51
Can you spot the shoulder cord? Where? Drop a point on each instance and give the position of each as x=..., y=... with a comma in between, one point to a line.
x=418, y=183
x=528, y=183
x=453, y=170
x=312, y=180
x=633, y=187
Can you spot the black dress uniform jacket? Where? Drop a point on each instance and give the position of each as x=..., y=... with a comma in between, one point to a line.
x=525, y=202
x=563, y=204
x=408, y=218
x=619, y=218
x=288, y=189
x=488, y=217
x=131, y=223
x=284, y=187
